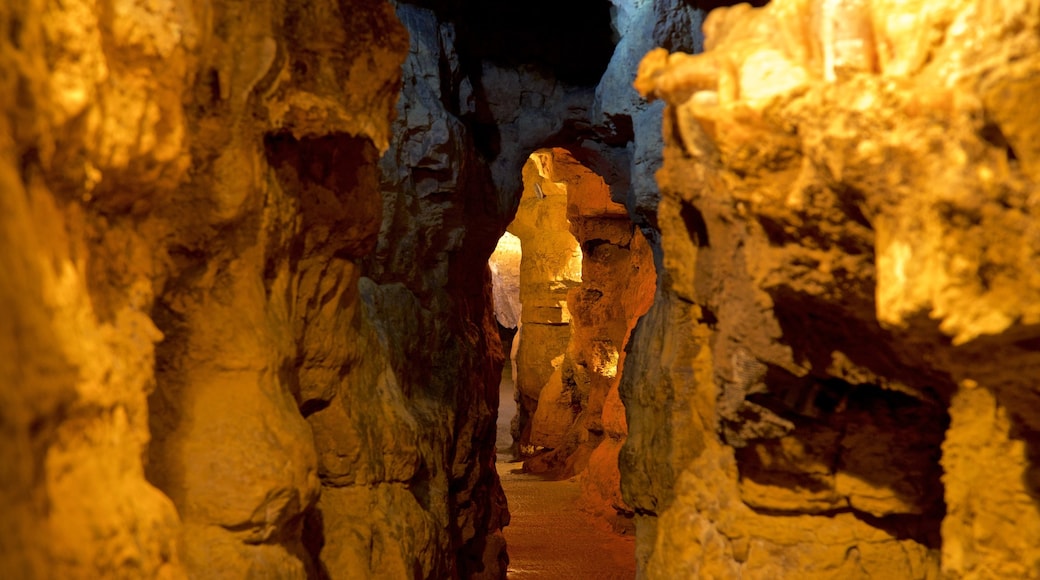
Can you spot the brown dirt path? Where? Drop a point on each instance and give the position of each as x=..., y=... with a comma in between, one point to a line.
x=548, y=536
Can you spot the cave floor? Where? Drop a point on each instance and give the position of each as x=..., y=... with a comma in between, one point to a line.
x=548, y=535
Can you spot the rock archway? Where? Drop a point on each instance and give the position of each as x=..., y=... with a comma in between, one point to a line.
x=586, y=276
x=246, y=311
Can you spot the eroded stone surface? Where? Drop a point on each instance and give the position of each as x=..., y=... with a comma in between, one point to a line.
x=427, y=295
x=579, y=419
x=550, y=265
x=842, y=233
x=192, y=384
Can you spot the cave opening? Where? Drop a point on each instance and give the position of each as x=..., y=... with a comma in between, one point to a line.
x=248, y=326
x=570, y=276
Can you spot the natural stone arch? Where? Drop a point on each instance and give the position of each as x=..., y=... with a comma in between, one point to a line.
x=549, y=268
x=576, y=319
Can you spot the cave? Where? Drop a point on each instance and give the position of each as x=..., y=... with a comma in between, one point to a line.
x=570, y=277
x=775, y=305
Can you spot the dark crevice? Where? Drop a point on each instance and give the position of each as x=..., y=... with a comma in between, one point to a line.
x=708, y=317
x=545, y=33
x=590, y=246
x=312, y=406
x=992, y=134
x=707, y=5
x=695, y=226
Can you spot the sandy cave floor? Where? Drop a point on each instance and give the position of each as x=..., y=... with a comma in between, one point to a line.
x=548, y=536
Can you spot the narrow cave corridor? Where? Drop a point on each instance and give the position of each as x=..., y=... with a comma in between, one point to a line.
x=586, y=275
x=561, y=417
x=775, y=307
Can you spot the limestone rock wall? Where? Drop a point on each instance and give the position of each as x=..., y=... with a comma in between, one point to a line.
x=90, y=139
x=196, y=380
x=627, y=120
x=844, y=340
x=550, y=266
x=579, y=414
x=427, y=291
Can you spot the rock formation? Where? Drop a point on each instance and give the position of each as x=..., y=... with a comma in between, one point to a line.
x=196, y=380
x=837, y=379
x=247, y=315
x=550, y=266
x=578, y=418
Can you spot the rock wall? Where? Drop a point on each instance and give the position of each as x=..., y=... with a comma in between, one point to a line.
x=427, y=292
x=578, y=310
x=90, y=140
x=227, y=354
x=238, y=342
x=579, y=415
x=197, y=380
x=844, y=341
x=550, y=266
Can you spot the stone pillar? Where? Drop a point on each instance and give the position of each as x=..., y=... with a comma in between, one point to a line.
x=579, y=414
x=992, y=523
x=549, y=268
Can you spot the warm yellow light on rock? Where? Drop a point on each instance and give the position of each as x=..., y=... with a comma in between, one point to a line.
x=605, y=359
x=505, y=279
x=572, y=271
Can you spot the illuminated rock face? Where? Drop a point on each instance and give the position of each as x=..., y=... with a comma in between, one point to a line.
x=239, y=344
x=236, y=342
x=550, y=267
x=195, y=379
x=838, y=379
x=505, y=273
x=579, y=415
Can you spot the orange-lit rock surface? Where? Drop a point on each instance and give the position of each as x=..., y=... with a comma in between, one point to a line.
x=247, y=325
x=838, y=377
x=191, y=385
x=579, y=415
x=550, y=266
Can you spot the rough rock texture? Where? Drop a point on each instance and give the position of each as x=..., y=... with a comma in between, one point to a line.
x=550, y=267
x=837, y=379
x=196, y=381
x=505, y=280
x=579, y=415
x=90, y=138
x=481, y=94
x=427, y=293
x=624, y=119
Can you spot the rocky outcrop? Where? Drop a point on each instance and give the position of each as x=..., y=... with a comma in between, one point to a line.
x=843, y=344
x=197, y=381
x=579, y=418
x=550, y=267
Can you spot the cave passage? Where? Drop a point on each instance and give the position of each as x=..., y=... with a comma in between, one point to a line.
x=569, y=277
x=248, y=327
